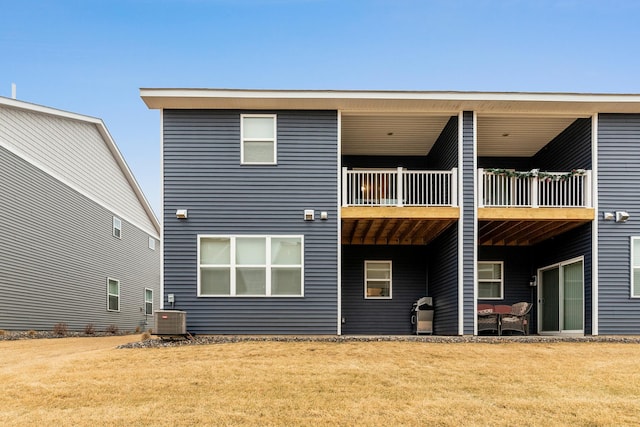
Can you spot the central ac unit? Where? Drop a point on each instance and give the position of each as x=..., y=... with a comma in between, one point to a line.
x=170, y=322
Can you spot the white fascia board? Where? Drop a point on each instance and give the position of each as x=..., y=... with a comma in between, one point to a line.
x=354, y=94
x=14, y=103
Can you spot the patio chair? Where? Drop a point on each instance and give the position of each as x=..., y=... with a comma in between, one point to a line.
x=518, y=319
x=488, y=320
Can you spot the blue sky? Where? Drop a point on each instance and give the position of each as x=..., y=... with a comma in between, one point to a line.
x=92, y=56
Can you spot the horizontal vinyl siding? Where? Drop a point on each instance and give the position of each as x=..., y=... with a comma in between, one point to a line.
x=444, y=153
x=469, y=224
x=56, y=252
x=76, y=152
x=202, y=173
x=443, y=281
x=382, y=316
x=618, y=183
x=571, y=149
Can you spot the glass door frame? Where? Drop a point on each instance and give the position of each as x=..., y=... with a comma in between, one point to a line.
x=559, y=266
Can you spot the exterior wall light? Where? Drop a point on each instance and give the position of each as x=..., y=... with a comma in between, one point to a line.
x=608, y=216
x=622, y=216
x=181, y=214
x=309, y=215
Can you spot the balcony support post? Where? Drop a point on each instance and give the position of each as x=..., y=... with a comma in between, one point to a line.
x=534, y=192
x=454, y=187
x=480, y=196
x=345, y=187
x=400, y=187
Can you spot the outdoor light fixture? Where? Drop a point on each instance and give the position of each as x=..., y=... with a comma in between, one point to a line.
x=324, y=215
x=622, y=216
x=181, y=214
x=309, y=215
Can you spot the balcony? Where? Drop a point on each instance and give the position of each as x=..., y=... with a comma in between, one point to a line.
x=397, y=206
x=525, y=208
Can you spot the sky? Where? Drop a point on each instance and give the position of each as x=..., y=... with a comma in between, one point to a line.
x=91, y=57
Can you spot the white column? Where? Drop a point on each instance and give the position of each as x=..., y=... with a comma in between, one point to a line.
x=345, y=190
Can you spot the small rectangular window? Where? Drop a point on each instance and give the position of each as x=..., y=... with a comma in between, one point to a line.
x=113, y=295
x=148, y=301
x=250, y=266
x=152, y=243
x=490, y=280
x=377, y=279
x=258, y=139
x=635, y=267
x=117, y=227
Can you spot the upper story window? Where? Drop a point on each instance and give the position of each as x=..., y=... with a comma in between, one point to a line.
x=117, y=227
x=377, y=279
x=250, y=266
x=490, y=280
x=113, y=295
x=152, y=243
x=635, y=267
x=258, y=139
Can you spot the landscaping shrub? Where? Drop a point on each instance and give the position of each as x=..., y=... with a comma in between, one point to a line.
x=112, y=329
x=60, y=329
x=89, y=329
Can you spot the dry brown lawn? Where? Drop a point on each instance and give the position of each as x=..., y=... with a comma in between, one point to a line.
x=87, y=381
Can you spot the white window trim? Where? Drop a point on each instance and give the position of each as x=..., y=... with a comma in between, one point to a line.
x=117, y=225
x=390, y=280
x=492, y=280
x=232, y=265
x=152, y=243
x=631, y=294
x=274, y=139
x=145, y=301
x=110, y=279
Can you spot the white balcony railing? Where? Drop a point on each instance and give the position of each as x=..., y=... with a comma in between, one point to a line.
x=399, y=187
x=534, y=189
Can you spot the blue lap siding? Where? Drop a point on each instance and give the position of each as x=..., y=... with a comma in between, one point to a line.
x=202, y=173
x=618, y=184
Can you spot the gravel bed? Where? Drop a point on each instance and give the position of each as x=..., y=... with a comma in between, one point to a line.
x=226, y=339
x=30, y=335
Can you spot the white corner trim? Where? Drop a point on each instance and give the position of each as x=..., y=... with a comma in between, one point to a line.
x=594, y=228
x=475, y=227
x=339, y=225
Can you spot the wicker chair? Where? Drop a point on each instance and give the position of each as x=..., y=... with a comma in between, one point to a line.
x=518, y=319
x=488, y=320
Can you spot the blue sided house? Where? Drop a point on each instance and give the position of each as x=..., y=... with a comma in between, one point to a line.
x=332, y=212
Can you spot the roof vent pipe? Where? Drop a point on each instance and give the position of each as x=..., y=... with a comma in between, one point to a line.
x=13, y=91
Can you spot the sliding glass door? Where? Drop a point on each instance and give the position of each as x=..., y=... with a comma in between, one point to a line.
x=561, y=298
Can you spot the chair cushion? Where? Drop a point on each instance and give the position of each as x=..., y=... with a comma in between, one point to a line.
x=486, y=311
x=519, y=309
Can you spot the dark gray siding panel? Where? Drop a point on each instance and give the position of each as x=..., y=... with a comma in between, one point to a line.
x=444, y=153
x=572, y=244
x=618, y=184
x=571, y=149
x=469, y=220
x=56, y=252
x=443, y=281
x=409, y=282
x=202, y=173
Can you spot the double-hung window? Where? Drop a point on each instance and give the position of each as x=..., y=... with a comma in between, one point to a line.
x=635, y=267
x=250, y=266
x=113, y=294
x=490, y=280
x=117, y=227
x=258, y=139
x=377, y=279
x=148, y=301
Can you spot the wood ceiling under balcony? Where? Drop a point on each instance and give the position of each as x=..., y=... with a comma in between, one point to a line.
x=527, y=226
x=395, y=225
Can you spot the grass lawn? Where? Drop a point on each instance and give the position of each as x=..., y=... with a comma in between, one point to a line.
x=87, y=381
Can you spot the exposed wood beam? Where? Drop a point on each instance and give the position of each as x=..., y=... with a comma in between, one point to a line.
x=393, y=212
x=506, y=214
x=381, y=230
